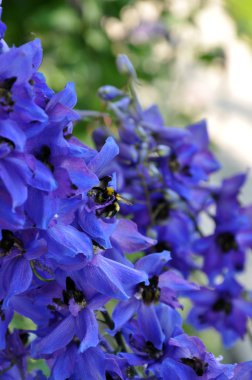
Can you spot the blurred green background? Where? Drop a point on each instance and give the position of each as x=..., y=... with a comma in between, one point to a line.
x=81, y=38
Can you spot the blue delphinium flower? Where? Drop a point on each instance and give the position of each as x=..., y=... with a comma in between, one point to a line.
x=163, y=171
x=180, y=356
x=72, y=364
x=226, y=248
x=164, y=167
x=53, y=219
x=72, y=309
x=189, y=160
x=17, y=252
x=149, y=343
x=243, y=371
x=164, y=286
x=176, y=232
x=224, y=307
x=13, y=359
x=5, y=319
x=188, y=359
x=65, y=252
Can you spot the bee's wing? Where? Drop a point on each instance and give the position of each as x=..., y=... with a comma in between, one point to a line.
x=123, y=200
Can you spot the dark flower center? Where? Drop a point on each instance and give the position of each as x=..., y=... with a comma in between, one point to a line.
x=97, y=246
x=186, y=171
x=112, y=377
x=161, y=210
x=174, y=165
x=226, y=241
x=24, y=337
x=196, y=364
x=2, y=315
x=202, y=318
x=162, y=246
x=152, y=351
x=4, y=140
x=222, y=305
x=72, y=292
x=44, y=156
x=150, y=293
x=109, y=377
x=5, y=92
x=9, y=241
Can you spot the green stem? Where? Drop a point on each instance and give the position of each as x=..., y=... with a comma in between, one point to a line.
x=118, y=335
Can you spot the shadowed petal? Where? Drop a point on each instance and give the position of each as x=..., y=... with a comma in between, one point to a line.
x=112, y=278
x=87, y=329
x=16, y=277
x=150, y=325
x=55, y=340
x=102, y=160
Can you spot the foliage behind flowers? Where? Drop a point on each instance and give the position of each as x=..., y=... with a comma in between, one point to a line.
x=71, y=216
x=80, y=37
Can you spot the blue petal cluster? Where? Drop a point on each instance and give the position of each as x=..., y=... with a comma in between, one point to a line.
x=59, y=236
x=65, y=253
x=165, y=172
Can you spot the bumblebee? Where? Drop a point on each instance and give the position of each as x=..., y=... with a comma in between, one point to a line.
x=104, y=194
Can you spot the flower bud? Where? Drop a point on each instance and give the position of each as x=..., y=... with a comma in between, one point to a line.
x=109, y=93
x=125, y=66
